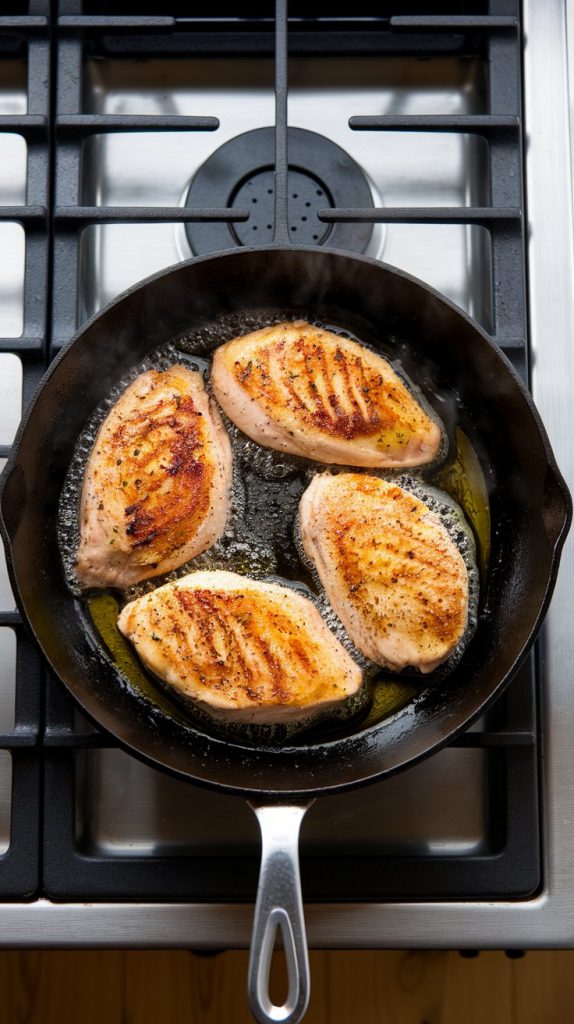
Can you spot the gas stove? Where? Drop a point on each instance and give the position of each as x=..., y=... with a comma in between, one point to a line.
x=133, y=141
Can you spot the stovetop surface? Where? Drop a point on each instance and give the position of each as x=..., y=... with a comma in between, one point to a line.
x=324, y=94
x=464, y=823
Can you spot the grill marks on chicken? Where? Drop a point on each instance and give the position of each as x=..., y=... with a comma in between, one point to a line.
x=156, y=485
x=241, y=649
x=156, y=493
x=300, y=389
x=389, y=567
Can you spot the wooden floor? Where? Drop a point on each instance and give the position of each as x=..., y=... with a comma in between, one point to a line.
x=174, y=987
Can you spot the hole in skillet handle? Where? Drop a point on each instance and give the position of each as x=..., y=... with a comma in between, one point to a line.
x=279, y=910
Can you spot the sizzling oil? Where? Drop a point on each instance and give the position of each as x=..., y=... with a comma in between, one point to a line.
x=104, y=609
x=464, y=480
x=259, y=539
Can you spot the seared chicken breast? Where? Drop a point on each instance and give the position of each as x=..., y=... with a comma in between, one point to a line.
x=241, y=649
x=389, y=567
x=156, y=485
x=303, y=390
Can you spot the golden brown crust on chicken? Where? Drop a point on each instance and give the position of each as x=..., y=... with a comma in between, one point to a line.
x=310, y=392
x=156, y=484
x=390, y=569
x=239, y=648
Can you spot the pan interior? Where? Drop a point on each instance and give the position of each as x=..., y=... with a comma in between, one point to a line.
x=259, y=540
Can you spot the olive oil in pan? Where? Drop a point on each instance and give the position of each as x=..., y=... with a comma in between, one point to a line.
x=104, y=609
x=259, y=539
x=389, y=697
x=463, y=479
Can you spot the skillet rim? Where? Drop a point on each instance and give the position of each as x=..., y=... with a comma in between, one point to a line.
x=343, y=744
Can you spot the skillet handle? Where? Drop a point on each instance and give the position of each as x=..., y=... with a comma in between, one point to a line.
x=279, y=906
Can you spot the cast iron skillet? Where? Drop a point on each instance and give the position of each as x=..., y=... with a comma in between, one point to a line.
x=530, y=512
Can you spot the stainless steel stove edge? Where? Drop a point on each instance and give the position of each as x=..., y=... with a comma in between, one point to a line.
x=547, y=920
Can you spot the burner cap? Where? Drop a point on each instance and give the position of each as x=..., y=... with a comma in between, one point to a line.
x=240, y=175
x=307, y=195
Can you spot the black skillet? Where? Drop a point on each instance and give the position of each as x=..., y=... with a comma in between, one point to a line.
x=530, y=511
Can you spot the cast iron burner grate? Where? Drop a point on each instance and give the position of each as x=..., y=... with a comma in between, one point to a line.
x=240, y=175
x=49, y=746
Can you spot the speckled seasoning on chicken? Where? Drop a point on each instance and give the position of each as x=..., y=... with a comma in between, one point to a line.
x=300, y=389
x=391, y=570
x=241, y=649
x=156, y=485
